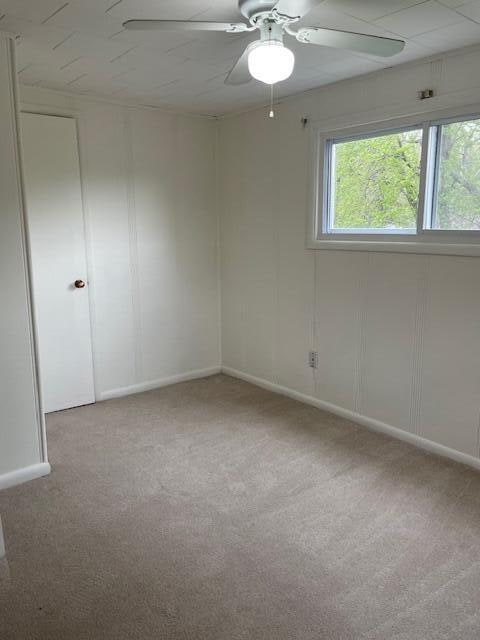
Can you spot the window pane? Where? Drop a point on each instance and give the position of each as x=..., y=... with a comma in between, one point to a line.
x=375, y=183
x=458, y=178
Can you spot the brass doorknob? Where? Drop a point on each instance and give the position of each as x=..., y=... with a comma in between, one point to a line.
x=79, y=284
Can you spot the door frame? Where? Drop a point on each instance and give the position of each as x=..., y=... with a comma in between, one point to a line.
x=76, y=115
x=25, y=239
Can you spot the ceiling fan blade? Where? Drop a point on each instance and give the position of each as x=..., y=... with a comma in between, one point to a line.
x=185, y=25
x=361, y=42
x=296, y=8
x=240, y=73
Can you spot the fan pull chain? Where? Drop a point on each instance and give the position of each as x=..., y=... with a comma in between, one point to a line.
x=272, y=112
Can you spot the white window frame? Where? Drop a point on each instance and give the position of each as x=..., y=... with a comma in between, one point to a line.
x=422, y=239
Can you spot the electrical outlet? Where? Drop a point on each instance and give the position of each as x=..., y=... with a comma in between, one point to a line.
x=313, y=359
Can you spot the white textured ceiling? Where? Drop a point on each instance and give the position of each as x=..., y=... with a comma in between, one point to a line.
x=80, y=46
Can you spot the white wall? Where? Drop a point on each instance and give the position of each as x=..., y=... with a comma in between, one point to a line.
x=21, y=454
x=150, y=208
x=398, y=335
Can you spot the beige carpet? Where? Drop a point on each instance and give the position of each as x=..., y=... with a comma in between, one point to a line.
x=216, y=510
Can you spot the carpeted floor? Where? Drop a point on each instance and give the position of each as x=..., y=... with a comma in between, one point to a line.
x=214, y=510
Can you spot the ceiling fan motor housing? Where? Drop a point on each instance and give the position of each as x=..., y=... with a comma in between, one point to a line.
x=270, y=31
x=267, y=59
x=250, y=8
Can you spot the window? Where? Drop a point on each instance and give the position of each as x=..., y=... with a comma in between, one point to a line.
x=456, y=185
x=375, y=183
x=411, y=185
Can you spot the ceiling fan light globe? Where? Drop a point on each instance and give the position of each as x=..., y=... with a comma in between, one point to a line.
x=270, y=62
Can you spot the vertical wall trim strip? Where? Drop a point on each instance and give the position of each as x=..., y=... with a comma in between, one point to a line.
x=314, y=323
x=275, y=226
x=182, y=302
x=361, y=333
x=478, y=437
x=218, y=211
x=418, y=347
x=133, y=247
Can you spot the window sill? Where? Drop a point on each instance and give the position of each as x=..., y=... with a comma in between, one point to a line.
x=395, y=246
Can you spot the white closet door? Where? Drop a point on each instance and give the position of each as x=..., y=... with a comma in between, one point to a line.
x=57, y=236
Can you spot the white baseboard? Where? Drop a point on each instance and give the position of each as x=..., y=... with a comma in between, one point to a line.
x=25, y=474
x=161, y=382
x=365, y=421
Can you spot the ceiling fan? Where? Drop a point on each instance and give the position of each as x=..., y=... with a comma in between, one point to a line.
x=267, y=59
